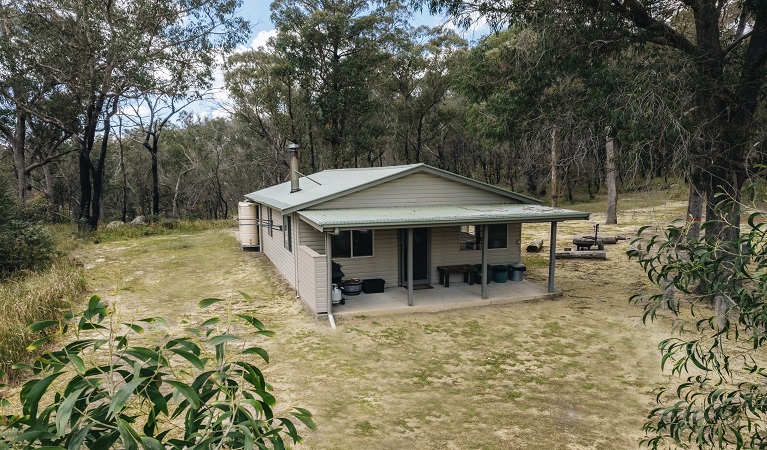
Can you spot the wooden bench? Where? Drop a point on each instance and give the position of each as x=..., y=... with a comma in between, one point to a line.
x=466, y=269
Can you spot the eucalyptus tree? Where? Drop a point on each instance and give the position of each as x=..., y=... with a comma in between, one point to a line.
x=725, y=42
x=152, y=115
x=523, y=93
x=268, y=100
x=100, y=52
x=17, y=126
x=422, y=79
x=337, y=50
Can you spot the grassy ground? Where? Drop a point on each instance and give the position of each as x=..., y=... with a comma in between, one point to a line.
x=573, y=373
x=34, y=297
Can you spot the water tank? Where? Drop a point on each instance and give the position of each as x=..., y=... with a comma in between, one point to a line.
x=248, y=225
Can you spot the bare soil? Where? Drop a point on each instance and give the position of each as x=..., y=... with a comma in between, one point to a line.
x=577, y=372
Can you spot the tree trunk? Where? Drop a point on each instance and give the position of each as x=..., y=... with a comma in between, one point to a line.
x=49, y=193
x=155, y=182
x=554, y=163
x=610, y=180
x=18, y=144
x=92, y=176
x=695, y=204
x=98, y=174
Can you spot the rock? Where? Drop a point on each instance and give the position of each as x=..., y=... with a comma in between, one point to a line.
x=115, y=224
x=139, y=220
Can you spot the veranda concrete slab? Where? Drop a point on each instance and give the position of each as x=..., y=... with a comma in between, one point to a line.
x=459, y=295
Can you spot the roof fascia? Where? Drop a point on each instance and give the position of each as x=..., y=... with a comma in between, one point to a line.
x=448, y=222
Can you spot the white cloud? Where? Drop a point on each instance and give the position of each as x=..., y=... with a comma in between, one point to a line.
x=260, y=41
x=478, y=29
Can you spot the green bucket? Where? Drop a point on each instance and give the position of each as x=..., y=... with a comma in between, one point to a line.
x=501, y=273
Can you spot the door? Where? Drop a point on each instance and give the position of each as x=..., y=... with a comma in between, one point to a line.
x=421, y=272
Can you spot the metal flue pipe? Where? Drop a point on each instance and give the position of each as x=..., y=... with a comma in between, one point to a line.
x=294, y=167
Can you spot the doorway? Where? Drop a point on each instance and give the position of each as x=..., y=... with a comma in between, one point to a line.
x=421, y=262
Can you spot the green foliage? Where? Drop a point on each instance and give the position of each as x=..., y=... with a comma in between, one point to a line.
x=196, y=391
x=23, y=245
x=720, y=397
x=162, y=227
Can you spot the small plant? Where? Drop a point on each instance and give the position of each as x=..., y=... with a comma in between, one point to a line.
x=191, y=392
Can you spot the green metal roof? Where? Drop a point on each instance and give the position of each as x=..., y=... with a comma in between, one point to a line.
x=330, y=184
x=396, y=217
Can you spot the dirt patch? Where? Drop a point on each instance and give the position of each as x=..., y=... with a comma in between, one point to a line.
x=572, y=373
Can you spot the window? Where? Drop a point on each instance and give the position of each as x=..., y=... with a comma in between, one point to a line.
x=287, y=233
x=270, y=225
x=352, y=244
x=470, y=237
x=496, y=236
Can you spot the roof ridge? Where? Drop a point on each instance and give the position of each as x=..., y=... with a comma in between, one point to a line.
x=403, y=167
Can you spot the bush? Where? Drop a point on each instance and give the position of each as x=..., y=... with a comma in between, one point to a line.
x=23, y=245
x=194, y=391
x=161, y=228
x=719, y=396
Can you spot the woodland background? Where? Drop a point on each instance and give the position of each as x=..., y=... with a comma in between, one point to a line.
x=96, y=120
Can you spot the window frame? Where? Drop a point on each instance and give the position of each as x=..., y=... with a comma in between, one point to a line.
x=351, y=243
x=287, y=232
x=477, y=233
x=270, y=225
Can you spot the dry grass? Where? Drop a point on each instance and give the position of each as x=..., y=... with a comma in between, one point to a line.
x=32, y=298
x=573, y=373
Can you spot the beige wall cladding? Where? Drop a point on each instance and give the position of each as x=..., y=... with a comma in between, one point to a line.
x=312, y=278
x=273, y=247
x=445, y=250
x=420, y=189
x=311, y=237
x=383, y=263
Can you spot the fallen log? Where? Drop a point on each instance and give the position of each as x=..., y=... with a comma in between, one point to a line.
x=582, y=254
x=535, y=246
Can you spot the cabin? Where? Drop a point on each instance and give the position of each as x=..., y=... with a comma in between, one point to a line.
x=402, y=226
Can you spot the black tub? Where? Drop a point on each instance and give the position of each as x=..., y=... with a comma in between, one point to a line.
x=373, y=285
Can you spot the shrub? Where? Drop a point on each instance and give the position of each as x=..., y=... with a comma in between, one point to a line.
x=193, y=391
x=164, y=227
x=719, y=396
x=23, y=245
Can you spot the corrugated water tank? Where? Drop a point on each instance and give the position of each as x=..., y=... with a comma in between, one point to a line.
x=248, y=221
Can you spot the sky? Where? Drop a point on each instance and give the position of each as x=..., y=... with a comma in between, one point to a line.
x=258, y=14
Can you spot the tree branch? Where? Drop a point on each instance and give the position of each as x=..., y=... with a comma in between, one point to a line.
x=658, y=32
x=737, y=41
